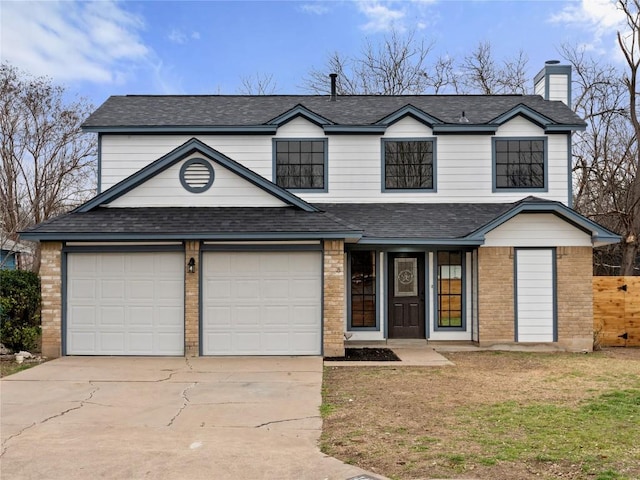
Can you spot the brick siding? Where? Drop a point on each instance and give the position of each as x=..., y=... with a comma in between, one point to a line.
x=574, y=270
x=495, y=295
x=51, y=314
x=191, y=301
x=334, y=298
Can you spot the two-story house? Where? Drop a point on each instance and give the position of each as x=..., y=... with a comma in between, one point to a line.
x=272, y=225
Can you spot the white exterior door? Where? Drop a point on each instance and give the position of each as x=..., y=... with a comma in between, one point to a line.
x=125, y=303
x=535, y=295
x=262, y=303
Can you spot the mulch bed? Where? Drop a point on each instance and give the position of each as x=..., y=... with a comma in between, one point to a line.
x=366, y=355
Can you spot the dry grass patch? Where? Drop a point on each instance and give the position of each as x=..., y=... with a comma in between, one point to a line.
x=493, y=415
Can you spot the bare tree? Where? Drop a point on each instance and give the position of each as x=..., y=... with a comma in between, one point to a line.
x=603, y=154
x=482, y=74
x=629, y=42
x=395, y=66
x=401, y=65
x=258, y=84
x=47, y=162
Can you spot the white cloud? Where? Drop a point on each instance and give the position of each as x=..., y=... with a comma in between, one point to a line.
x=381, y=16
x=73, y=41
x=315, y=8
x=179, y=37
x=600, y=18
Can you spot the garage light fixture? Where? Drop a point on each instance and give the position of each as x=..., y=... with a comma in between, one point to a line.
x=191, y=266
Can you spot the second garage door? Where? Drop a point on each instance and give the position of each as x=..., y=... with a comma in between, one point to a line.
x=262, y=303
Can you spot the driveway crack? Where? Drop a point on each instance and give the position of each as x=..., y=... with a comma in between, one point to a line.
x=286, y=420
x=185, y=402
x=77, y=407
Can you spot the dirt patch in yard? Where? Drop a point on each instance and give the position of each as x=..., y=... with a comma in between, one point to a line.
x=494, y=415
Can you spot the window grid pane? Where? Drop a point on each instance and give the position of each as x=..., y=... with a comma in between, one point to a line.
x=300, y=164
x=363, y=289
x=408, y=164
x=519, y=163
x=450, y=289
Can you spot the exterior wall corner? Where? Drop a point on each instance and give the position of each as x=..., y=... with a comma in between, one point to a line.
x=574, y=269
x=496, y=315
x=192, y=300
x=51, y=291
x=333, y=298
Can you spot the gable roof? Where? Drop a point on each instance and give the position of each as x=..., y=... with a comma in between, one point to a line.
x=189, y=147
x=263, y=113
x=452, y=223
x=367, y=223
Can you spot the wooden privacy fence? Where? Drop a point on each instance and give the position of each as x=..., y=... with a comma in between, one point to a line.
x=616, y=311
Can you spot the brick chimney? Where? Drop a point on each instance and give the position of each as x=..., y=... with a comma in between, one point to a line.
x=553, y=82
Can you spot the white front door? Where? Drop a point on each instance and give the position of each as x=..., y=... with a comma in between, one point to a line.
x=535, y=295
x=125, y=303
x=262, y=303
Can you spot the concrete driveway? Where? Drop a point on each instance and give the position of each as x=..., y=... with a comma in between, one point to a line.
x=166, y=418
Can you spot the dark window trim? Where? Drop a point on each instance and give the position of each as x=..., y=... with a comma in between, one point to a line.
x=463, y=292
x=384, y=140
x=302, y=139
x=496, y=189
x=351, y=328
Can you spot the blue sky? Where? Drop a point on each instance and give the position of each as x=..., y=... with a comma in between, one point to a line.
x=103, y=48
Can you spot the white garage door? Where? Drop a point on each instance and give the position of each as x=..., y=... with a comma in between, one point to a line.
x=535, y=295
x=262, y=303
x=125, y=303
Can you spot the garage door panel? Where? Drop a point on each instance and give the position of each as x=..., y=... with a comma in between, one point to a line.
x=141, y=316
x=112, y=316
x=275, y=289
x=305, y=314
x=83, y=342
x=129, y=304
x=276, y=263
x=170, y=317
x=305, y=288
x=85, y=315
x=112, y=342
x=270, y=297
x=247, y=316
x=168, y=291
x=276, y=316
x=83, y=289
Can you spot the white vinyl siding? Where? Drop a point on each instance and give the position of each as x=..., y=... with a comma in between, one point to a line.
x=537, y=230
x=558, y=87
x=535, y=302
x=262, y=303
x=125, y=304
x=228, y=190
x=464, y=162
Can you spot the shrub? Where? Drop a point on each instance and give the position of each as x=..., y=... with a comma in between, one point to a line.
x=19, y=309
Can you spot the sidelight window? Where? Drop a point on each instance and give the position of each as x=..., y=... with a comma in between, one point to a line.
x=363, y=289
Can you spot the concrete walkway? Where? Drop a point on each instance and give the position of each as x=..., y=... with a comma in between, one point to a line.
x=166, y=418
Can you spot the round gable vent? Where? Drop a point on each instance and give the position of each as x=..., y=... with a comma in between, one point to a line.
x=196, y=175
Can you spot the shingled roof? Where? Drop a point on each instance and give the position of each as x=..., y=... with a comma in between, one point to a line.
x=164, y=111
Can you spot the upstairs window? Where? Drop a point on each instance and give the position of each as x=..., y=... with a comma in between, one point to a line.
x=301, y=164
x=408, y=164
x=519, y=163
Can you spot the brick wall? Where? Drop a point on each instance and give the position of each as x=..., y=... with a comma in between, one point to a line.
x=191, y=301
x=334, y=298
x=575, y=298
x=495, y=295
x=51, y=315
